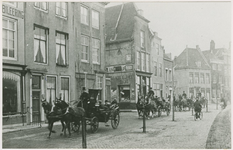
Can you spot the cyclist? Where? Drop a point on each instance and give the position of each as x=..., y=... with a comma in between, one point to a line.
x=197, y=108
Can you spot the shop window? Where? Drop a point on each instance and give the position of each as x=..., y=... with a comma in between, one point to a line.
x=11, y=95
x=124, y=93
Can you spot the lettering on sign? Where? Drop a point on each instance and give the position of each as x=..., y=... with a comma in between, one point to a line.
x=12, y=11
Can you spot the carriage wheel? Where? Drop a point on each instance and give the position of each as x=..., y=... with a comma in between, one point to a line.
x=74, y=127
x=115, y=120
x=201, y=115
x=94, y=124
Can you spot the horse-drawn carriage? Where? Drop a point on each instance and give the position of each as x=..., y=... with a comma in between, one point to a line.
x=151, y=106
x=72, y=115
x=97, y=112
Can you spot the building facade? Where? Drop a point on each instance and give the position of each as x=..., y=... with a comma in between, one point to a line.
x=63, y=51
x=13, y=62
x=157, y=65
x=168, y=74
x=127, y=53
x=192, y=74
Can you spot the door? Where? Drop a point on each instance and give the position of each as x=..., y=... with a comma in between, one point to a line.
x=36, y=92
x=36, y=106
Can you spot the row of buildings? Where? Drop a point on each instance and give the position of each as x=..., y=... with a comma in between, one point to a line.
x=56, y=48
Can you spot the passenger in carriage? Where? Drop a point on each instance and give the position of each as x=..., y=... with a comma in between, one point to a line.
x=84, y=98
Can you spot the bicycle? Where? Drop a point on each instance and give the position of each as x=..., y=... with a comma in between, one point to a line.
x=198, y=115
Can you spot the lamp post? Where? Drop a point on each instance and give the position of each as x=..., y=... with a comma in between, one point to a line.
x=172, y=103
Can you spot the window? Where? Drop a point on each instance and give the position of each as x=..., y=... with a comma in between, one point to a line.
x=51, y=89
x=142, y=37
x=84, y=15
x=143, y=61
x=147, y=62
x=214, y=66
x=138, y=61
x=65, y=88
x=61, y=48
x=40, y=45
x=96, y=51
x=170, y=75
x=99, y=82
x=41, y=5
x=160, y=70
x=156, y=68
x=61, y=9
x=166, y=75
x=196, y=77
x=207, y=78
x=198, y=63
x=214, y=79
x=157, y=48
x=202, y=78
x=190, y=77
x=85, y=48
x=95, y=19
x=9, y=39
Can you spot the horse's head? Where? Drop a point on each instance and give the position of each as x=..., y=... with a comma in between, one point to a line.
x=60, y=103
x=47, y=106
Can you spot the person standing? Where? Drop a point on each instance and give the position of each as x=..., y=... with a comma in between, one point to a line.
x=84, y=98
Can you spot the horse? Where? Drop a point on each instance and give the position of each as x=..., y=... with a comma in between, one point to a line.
x=150, y=107
x=70, y=114
x=52, y=116
x=203, y=102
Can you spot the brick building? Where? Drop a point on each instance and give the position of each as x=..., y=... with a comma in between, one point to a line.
x=192, y=73
x=127, y=53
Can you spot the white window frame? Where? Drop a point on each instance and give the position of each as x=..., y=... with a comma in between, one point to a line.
x=47, y=33
x=142, y=39
x=138, y=60
x=143, y=68
x=95, y=47
x=60, y=8
x=40, y=8
x=99, y=82
x=84, y=12
x=68, y=83
x=53, y=76
x=15, y=39
x=88, y=48
x=66, y=38
x=95, y=19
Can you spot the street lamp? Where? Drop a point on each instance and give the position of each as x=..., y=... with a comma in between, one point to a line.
x=172, y=103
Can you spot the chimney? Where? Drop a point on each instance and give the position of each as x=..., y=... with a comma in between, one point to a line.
x=140, y=12
x=212, y=46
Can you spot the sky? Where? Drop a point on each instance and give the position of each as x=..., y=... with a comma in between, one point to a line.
x=186, y=23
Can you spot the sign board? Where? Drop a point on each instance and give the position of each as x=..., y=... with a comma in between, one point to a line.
x=12, y=11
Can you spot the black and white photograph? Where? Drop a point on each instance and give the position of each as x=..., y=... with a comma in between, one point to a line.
x=116, y=74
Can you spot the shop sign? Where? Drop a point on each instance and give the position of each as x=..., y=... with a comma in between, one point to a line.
x=12, y=11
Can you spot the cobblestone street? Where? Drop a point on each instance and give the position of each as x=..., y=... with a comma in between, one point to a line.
x=161, y=133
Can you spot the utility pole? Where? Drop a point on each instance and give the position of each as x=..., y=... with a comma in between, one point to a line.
x=144, y=117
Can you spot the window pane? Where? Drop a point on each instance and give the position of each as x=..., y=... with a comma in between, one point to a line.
x=44, y=5
x=11, y=53
x=4, y=23
x=11, y=35
x=11, y=25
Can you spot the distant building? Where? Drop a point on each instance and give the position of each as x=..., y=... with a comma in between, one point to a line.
x=128, y=53
x=168, y=73
x=157, y=65
x=192, y=73
x=220, y=61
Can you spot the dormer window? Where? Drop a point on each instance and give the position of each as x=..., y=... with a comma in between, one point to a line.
x=198, y=63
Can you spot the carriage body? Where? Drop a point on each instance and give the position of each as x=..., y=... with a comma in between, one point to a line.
x=97, y=112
